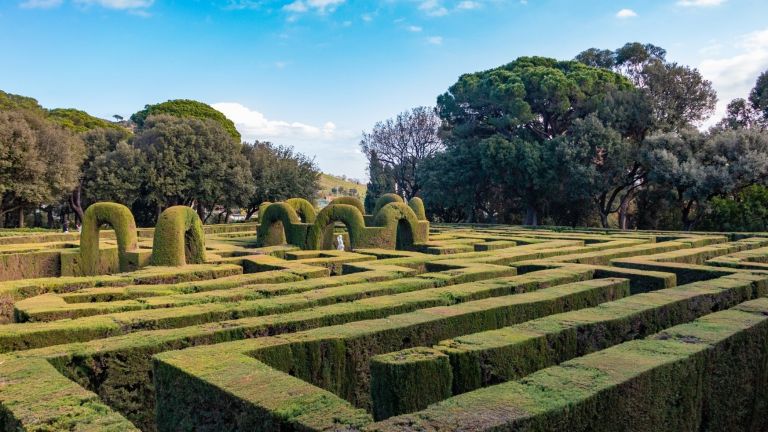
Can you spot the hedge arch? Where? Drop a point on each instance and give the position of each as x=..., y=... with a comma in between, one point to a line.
x=120, y=218
x=402, y=222
x=417, y=205
x=304, y=209
x=179, y=238
x=350, y=201
x=386, y=199
x=271, y=234
x=262, y=208
x=347, y=214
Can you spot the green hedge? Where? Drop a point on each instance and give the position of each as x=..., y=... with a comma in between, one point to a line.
x=304, y=209
x=417, y=205
x=280, y=224
x=386, y=199
x=121, y=219
x=349, y=201
x=179, y=238
x=349, y=215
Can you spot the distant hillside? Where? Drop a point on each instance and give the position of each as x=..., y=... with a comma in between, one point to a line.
x=331, y=185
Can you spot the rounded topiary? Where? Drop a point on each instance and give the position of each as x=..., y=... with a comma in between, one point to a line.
x=395, y=214
x=349, y=215
x=386, y=199
x=417, y=205
x=304, y=209
x=120, y=218
x=349, y=201
x=282, y=213
x=262, y=208
x=179, y=238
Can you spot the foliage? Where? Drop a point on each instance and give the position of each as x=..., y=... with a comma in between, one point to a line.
x=758, y=97
x=278, y=173
x=381, y=181
x=39, y=160
x=747, y=211
x=80, y=121
x=178, y=238
x=189, y=160
x=119, y=217
x=186, y=108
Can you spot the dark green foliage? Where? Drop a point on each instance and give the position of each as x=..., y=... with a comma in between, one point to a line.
x=381, y=181
x=178, y=238
x=408, y=381
x=278, y=173
x=117, y=216
x=279, y=224
x=747, y=211
x=186, y=108
x=758, y=97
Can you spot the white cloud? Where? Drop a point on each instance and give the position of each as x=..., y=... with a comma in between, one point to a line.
x=467, y=5
x=700, y=3
x=433, y=8
x=367, y=17
x=319, y=6
x=414, y=29
x=254, y=125
x=735, y=75
x=435, y=40
x=626, y=13
x=40, y=4
x=334, y=150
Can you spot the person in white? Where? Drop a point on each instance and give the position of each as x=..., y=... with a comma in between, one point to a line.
x=339, y=242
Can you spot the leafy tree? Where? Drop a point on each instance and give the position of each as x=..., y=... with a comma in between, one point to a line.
x=116, y=175
x=279, y=173
x=402, y=143
x=191, y=161
x=381, y=181
x=38, y=161
x=186, y=108
x=505, y=119
x=758, y=97
x=678, y=94
x=740, y=114
x=79, y=121
x=747, y=211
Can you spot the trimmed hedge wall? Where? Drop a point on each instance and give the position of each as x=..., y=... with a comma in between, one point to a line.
x=349, y=201
x=121, y=219
x=386, y=199
x=304, y=209
x=179, y=238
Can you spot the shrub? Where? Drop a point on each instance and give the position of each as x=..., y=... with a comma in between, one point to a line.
x=349, y=201
x=178, y=238
x=345, y=213
x=417, y=205
x=304, y=209
x=120, y=218
x=386, y=199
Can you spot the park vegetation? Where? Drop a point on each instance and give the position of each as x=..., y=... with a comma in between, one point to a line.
x=612, y=138
x=55, y=163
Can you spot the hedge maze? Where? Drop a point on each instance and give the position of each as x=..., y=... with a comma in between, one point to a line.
x=268, y=327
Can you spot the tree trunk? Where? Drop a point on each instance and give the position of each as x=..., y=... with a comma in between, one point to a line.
x=531, y=216
x=623, y=213
x=604, y=219
x=226, y=215
x=49, y=212
x=250, y=213
x=76, y=204
x=38, y=218
x=21, y=217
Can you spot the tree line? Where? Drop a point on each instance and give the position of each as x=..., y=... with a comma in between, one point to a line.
x=611, y=138
x=54, y=163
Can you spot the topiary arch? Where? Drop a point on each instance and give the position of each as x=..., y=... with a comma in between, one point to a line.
x=401, y=222
x=304, y=209
x=417, y=205
x=347, y=214
x=279, y=224
x=350, y=201
x=120, y=218
x=179, y=238
x=386, y=199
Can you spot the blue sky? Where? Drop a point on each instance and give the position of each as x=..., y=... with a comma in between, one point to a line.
x=315, y=73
